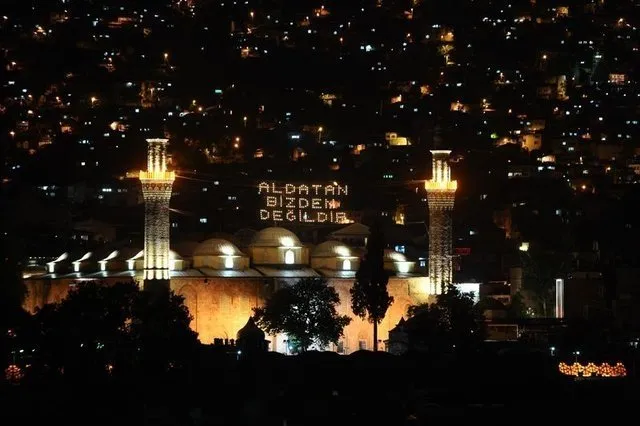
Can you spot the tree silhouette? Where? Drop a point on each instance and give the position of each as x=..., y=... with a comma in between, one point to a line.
x=99, y=329
x=306, y=312
x=15, y=322
x=452, y=323
x=369, y=296
x=12, y=288
x=539, y=272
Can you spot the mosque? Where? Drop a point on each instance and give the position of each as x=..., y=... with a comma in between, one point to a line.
x=222, y=279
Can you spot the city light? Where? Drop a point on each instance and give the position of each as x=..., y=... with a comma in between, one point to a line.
x=592, y=370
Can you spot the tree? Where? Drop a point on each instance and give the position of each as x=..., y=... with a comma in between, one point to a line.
x=453, y=322
x=369, y=296
x=12, y=288
x=517, y=309
x=98, y=328
x=15, y=322
x=539, y=272
x=306, y=312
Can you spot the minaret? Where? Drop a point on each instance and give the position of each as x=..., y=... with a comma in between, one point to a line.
x=156, y=190
x=441, y=192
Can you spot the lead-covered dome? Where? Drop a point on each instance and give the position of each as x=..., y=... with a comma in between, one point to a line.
x=275, y=237
x=332, y=249
x=216, y=247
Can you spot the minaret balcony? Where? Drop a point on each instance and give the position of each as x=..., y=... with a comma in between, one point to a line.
x=157, y=176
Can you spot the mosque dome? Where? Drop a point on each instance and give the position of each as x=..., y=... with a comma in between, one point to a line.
x=332, y=249
x=394, y=256
x=216, y=247
x=275, y=237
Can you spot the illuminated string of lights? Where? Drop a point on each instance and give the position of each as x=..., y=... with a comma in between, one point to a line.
x=13, y=373
x=592, y=370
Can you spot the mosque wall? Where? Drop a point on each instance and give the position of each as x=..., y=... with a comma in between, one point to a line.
x=336, y=263
x=221, y=306
x=359, y=333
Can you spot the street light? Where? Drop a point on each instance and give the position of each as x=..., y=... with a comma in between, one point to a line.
x=93, y=100
x=319, y=133
x=244, y=119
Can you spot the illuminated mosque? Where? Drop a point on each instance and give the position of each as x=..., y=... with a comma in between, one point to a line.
x=221, y=280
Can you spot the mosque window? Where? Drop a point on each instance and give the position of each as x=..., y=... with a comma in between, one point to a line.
x=346, y=265
x=228, y=262
x=362, y=345
x=289, y=257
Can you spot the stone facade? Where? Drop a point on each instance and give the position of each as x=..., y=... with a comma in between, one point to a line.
x=221, y=306
x=221, y=284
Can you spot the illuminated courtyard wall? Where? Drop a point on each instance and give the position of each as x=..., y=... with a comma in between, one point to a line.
x=221, y=306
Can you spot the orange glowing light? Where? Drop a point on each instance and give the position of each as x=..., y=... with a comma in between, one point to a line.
x=592, y=370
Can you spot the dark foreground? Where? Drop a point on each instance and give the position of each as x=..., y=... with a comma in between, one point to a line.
x=324, y=389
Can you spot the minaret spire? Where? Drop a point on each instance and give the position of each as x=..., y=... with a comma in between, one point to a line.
x=441, y=192
x=156, y=190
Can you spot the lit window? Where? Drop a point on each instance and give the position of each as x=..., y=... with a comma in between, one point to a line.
x=203, y=220
x=228, y=262
x=289, y=257
x=346, y=265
